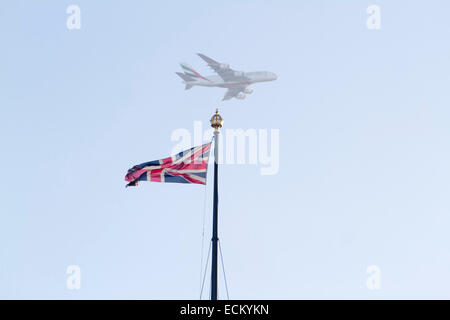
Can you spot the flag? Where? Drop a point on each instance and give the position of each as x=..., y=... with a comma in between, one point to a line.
x=188, y=166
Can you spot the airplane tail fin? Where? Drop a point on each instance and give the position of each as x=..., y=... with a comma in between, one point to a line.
x=191, y=72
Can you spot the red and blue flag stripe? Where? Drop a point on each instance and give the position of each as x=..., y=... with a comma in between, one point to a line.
x=189, y=166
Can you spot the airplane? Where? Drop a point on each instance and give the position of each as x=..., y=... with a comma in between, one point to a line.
x=235, y=81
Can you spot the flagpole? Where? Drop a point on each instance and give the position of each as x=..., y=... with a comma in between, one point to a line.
x=216, y=123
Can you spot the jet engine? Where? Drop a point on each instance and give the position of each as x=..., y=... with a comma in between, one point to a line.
x=240, y=96
x=248, y=91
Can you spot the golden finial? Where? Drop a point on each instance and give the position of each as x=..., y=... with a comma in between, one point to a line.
x=216, y=121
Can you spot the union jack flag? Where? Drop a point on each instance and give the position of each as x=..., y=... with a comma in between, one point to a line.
x=188, y=166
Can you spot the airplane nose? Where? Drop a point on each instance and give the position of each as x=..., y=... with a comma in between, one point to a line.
x=275, y=77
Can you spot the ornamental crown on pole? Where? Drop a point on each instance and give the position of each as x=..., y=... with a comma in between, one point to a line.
x=216, y=121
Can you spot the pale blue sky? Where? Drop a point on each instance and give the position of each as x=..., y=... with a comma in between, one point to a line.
x=364, y=148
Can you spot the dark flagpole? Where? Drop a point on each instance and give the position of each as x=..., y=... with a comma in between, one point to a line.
x=216, y=123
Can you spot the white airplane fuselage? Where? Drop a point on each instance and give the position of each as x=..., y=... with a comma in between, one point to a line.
x=217, y=81
x=236, y=82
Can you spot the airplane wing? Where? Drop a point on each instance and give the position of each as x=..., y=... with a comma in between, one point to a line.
x=224, y=70
x=233, y=92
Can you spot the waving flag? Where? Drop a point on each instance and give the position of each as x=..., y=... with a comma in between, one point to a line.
x=186, y=167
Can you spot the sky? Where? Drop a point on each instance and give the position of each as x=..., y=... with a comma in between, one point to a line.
x=363, y=119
